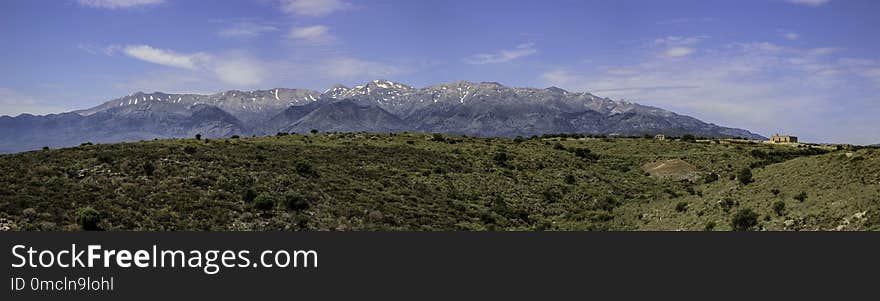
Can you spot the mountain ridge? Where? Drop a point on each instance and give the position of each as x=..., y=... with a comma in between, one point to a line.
x=461, y=108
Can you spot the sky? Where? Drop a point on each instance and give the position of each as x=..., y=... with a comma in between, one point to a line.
x=809, y=68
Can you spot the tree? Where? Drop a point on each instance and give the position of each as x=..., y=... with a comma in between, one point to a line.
x=745, y=176
x=744, y=220
x=688, y=138
x=88, y=218
x=198, y=136
x=314, y=131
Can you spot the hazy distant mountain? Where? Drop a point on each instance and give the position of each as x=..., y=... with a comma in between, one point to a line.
x=478, y=109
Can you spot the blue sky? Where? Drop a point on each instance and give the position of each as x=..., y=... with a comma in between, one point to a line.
x=805, y=67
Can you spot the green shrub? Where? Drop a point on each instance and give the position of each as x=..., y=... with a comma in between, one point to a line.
x=779, y=208
x=688, y=138
x=88, y=218
x=149, y=168
x=711, y=177
x=681, y=207
x=295, y=201
x=501, y=158
x=585, y=153
x=709, y=226
x=801, y=197
x=570, y=179
x=305, y=169
x=314, y=131
x=105, y=158
x=744, y=220
x=189, y=149
x=249, y=195
x=264, y=202
x=519, y=139
x=745, y=176
x=775, y=191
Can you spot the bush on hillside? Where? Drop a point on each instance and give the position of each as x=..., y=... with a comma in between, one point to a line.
x=294, y=201
x=88, y=218
x=681, y=207
x=744, y=220
x=779, y=208
x=264, y=202
x=711, y=177
x=745, y=176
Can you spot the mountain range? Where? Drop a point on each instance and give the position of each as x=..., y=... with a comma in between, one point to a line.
x=458, y=108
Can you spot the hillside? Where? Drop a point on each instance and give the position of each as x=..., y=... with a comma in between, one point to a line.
x=433, y=182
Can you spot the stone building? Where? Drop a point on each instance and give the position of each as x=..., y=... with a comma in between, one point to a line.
x=783, y=139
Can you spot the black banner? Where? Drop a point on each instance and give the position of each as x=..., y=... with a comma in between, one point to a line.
x=413, y=266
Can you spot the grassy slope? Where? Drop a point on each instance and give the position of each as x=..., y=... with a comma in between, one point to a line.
x=408, y=182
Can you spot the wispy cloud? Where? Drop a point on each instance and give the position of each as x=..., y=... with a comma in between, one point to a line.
x=317, y=34
x=808, y=2
x=314, y=8
x=233, y=68
x=503, y=56
x=678, y=51
x=677, y=46
x=790, y=35
x=117, y=4
x=245, y=30
x=164, y=57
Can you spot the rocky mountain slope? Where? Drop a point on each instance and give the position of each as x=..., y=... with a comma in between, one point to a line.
x=460, y=108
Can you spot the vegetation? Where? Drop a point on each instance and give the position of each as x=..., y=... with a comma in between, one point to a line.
x=425, y=182
x=745, y=176
x=744, y=220
x=88, y=218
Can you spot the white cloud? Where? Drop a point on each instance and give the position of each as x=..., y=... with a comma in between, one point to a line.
x=678, y=51
x=245, y=30
x=164, y=57
x=235, y=68
x=115, y=4
x=317, y=34
x=503, y=56
x=240, y=71
x=808, y=2
x=314, y=8
x=677, y=46
x=13, y=103
x=791, y=36
x=759, y=86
